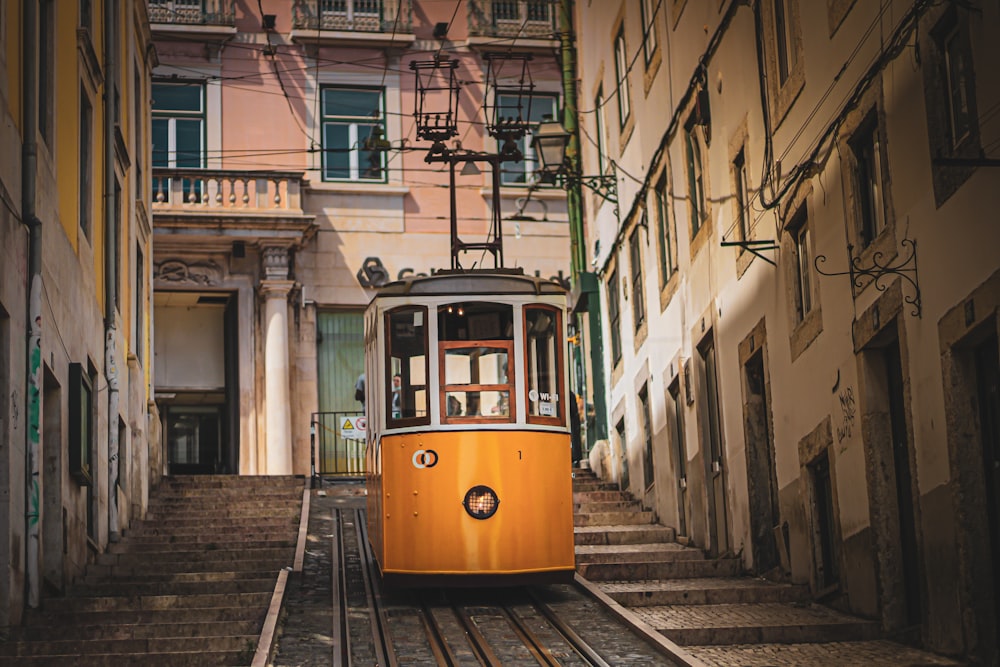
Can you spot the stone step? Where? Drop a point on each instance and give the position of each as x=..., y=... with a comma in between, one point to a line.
x=191, y=543
x=52, y=647
x=173, y=659
x=624, y=570
x=878, y=653
x=635, y=534
x=184, y=517
x=755, y=623
x=142, y=568
x=591, y=486
x=114, y=576
x=703, y=590
x=206, y=554
x=145, y=630
x=131, y=588
x=614, y=519
x=607, y=506
x=598, y=496
x=46, y=620
x=151, y=602
x=635, y=553
x=221, y=526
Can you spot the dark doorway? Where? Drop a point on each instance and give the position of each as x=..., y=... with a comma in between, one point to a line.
x=679, y=457
x=718, y=520
x=904, y=484
x=988, y=395
x=765, y=514
x=194, y=439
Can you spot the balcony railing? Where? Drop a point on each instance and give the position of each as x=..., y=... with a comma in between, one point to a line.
x=193, y=12
x=354, y=15
x=226, y=191
x=528, y=19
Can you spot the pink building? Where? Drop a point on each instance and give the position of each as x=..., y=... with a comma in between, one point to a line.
x=289, y=182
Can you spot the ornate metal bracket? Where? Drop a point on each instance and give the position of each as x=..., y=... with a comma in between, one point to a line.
x=604, y=185
x=880, y=274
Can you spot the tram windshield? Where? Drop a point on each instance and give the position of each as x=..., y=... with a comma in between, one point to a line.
x=542, y=334
x=406, y=386
x=476, y=347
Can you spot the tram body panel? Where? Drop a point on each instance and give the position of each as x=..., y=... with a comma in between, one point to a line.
x=425, y=528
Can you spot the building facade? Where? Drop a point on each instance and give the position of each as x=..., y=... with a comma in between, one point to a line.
x=289, y=182
x=786, y=381
x=79, y=443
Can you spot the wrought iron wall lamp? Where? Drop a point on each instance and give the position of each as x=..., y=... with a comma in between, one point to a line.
x=550, y=142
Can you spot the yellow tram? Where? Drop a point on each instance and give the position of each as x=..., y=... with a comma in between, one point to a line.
x=468, y=443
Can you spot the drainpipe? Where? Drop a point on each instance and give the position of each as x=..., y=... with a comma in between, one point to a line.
x=111, y=206
x=29, y=162
x=585, y=299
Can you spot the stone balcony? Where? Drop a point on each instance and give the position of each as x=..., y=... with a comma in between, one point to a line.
x=353, y=22
x=527, y=24
x=208, y=19
x=223, y=205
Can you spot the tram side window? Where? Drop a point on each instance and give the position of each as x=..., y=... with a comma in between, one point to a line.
x=406, y=370
x=476, y=347
x=542, y=355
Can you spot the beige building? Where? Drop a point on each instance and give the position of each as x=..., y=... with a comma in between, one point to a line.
x=800, y=292
x=79, y=445
x=289, y=182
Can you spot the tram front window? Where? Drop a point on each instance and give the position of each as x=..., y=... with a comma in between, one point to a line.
x=476, y=347
x=406, y=382
x=542, y=328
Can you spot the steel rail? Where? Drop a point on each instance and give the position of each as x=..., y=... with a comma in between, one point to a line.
x=341, y=631
x=385, y=655
x=582, y=648
x=435, y=637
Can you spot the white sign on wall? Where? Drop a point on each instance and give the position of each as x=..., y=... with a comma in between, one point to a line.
x=353, y=427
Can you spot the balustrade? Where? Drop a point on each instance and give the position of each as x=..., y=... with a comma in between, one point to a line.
x=354, y=15
x=222, y=191
x=512, y=18
x=193, y=12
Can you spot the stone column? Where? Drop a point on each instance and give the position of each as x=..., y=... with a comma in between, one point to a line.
x=274, y=290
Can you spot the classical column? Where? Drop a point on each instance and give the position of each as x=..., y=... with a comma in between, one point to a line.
x=274, y=290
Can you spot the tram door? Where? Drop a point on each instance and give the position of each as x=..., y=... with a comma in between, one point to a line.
x=340, y=352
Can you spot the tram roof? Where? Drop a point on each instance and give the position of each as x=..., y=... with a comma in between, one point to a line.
x=472, y=282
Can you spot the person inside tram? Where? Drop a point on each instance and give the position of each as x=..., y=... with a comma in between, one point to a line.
x=454, y=407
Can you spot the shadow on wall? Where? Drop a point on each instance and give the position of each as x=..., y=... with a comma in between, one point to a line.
x=601, y=460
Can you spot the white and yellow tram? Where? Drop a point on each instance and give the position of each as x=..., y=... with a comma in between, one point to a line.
x=468, y=444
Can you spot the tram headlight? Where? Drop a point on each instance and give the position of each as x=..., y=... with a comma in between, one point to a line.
x=481, y=502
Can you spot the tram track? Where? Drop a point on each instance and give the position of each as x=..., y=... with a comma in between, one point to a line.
x=446, y=627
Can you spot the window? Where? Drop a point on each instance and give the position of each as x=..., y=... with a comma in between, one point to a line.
x=742, y=196
x=621, y=78
x=352, y=119
x=696, y=178
x=949, y=77
x=784, y=40
x=138, y=127
x=798, y=228
x=46, y=67
x=646, y=424
x=178, y=129
x=543, y=327
x=957, y=86
x=868, y=180
x=614, y=317
x=406, y=370
x=86, y=15
x=521, y=173
x=648, y=10
x=665, y=247
x=476, y=347
x=86, y=174
x=139, y=310
x=117, y=250
x=635, y=263
x=81, y=425
x=599, y=137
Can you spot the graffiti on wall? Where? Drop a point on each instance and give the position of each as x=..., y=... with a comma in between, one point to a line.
x=848, y=414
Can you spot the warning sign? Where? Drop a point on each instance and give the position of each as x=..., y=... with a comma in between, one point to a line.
x=353, y=427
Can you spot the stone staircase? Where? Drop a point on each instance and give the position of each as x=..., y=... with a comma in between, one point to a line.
x=189, y=585
x=709, y=612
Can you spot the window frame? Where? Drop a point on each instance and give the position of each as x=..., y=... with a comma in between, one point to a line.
x=650, y=40
x=741, y=194
x=353, y=123
x=621, y=78
x=530, y=163
x=560, y=418
x=868, y=173
x=802, y=279
x=695, y=169
x=85, y=156
x=174, y=115
x=445, y=389
x=666, y=246
x=636, y=274
x=614, y=317
x=600, y=130
x=403, y=422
